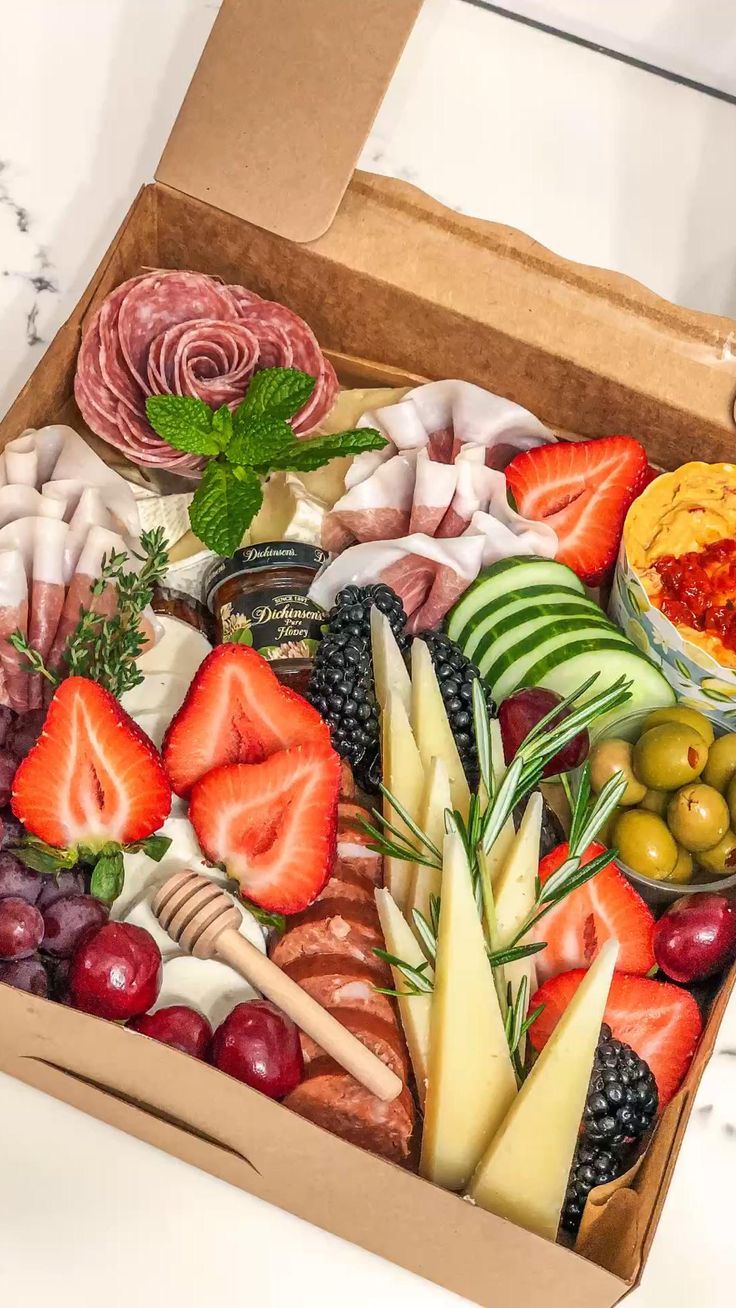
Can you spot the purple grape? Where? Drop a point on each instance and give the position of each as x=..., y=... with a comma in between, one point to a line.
x=26, y=974
x=68, y=920
x=21, y=928
x=8, y=767
x=58, y=974
x=11, y=830
x=59, y=886
x=18, y=880
x=7, y=717
x=24, y=733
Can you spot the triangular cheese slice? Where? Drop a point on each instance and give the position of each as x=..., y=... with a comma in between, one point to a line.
x=414, y=1010
x=426, y=881
x=403, y=775
x=389, y=669
x=515, y=895
x=523, y=1176
x=432, y=730
x=471, y=1079
x=497, y=855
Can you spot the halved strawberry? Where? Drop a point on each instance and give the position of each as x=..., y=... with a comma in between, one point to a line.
x=272, y=824
x=235, y=711
x=661, y=1022
x=605, y=908
x=93, y=777
x=582, y=489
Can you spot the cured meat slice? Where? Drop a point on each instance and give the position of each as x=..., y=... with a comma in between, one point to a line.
x=48, y=591
x=185, y=333
x=382, y=1038
x=347, y=934
x=79, y=595
x=13, y=617
x=332, y=1099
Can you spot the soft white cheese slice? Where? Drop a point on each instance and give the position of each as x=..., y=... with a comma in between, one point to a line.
x=141, y=872
x=212, y=988
x=180, y=649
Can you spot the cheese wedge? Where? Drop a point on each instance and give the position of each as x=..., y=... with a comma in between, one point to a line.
x=436, y=799
x=523, y=1176
x=515, y=895
x=471, y=1081
x=389, y=669
x=414, y=1010
x=496, y=857
x=403, y=775
x=432, y=730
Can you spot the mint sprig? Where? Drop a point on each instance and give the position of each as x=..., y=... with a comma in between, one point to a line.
x=244, y=446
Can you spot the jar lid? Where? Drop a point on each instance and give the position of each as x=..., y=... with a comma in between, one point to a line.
x=269, y=554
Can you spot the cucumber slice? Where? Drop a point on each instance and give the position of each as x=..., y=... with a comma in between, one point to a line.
x=507, y=577
x=531, y=665
x=529, y=627
x=521, y=603
x=650, y=688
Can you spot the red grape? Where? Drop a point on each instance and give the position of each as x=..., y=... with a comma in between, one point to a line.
x=26, y=974
x=17, y=879
x=115, y=971
x=7, y=717
x=21, y=928
x=259, y=1045
x=11, y=831
x=181, y=1027
x=521, y=712
x=59, y=886
x=24, y=733
x=8, y=769
x=67, y=921
x=696, y=937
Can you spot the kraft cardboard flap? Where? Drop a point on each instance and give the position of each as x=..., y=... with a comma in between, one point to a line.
x=280, y=106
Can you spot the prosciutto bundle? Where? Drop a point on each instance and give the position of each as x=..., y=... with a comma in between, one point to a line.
x=61, y=511
x=428, y=511
x=184, y=333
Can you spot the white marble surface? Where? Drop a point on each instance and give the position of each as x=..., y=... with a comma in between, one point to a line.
x=597, y=160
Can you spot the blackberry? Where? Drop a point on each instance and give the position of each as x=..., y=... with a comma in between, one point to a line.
x=622, y=1097
x=456, y=674
x=341, y=687
x=591, y=1166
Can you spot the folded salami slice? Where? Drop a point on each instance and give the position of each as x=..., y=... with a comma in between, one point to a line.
x=185, y=333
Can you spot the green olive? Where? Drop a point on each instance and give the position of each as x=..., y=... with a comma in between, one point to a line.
x=669, y=756
x=721, y=860
x=645, y=844
x=656, y=801
x=698, y=817
x=683, y=869
x=721, y=765
x=609, y=758
x=731, y=800
x=688, y=717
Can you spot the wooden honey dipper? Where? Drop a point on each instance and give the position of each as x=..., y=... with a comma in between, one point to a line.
x=203, y=919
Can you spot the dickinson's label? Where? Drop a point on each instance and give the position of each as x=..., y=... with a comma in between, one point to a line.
x=281, y=625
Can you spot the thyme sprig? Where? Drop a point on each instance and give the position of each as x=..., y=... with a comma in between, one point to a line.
x=106, y=648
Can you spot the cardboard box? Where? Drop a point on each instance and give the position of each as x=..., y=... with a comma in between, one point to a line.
x=251, y=189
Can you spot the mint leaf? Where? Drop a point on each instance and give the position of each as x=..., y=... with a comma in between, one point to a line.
x=41, y=857
x=259, y=440
x=184, y=422
x=280, y=392
x=305, y=455
x=153, y=846
x=224, y=505
x=108, y=877
x=222, y=426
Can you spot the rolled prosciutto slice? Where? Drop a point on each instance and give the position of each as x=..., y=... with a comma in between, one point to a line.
x=13, y=617
x=79, y=596
x=48, y=593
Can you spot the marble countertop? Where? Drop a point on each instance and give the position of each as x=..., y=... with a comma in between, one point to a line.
x=594, y=157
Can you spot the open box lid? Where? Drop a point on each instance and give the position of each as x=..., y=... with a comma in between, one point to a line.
x=280, y=106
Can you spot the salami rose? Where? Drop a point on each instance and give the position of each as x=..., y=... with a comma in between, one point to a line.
x=184, y=333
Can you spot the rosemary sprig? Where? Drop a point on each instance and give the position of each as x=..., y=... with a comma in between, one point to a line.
x=517, y=1022
x=105, y=649
x=417, y=981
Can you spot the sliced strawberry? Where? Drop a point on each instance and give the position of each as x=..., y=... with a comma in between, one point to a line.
x=661, y=1022
x=582, y=489
x=273, y=824
x=236, y=711
x=606, y=908
x=93, y=776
